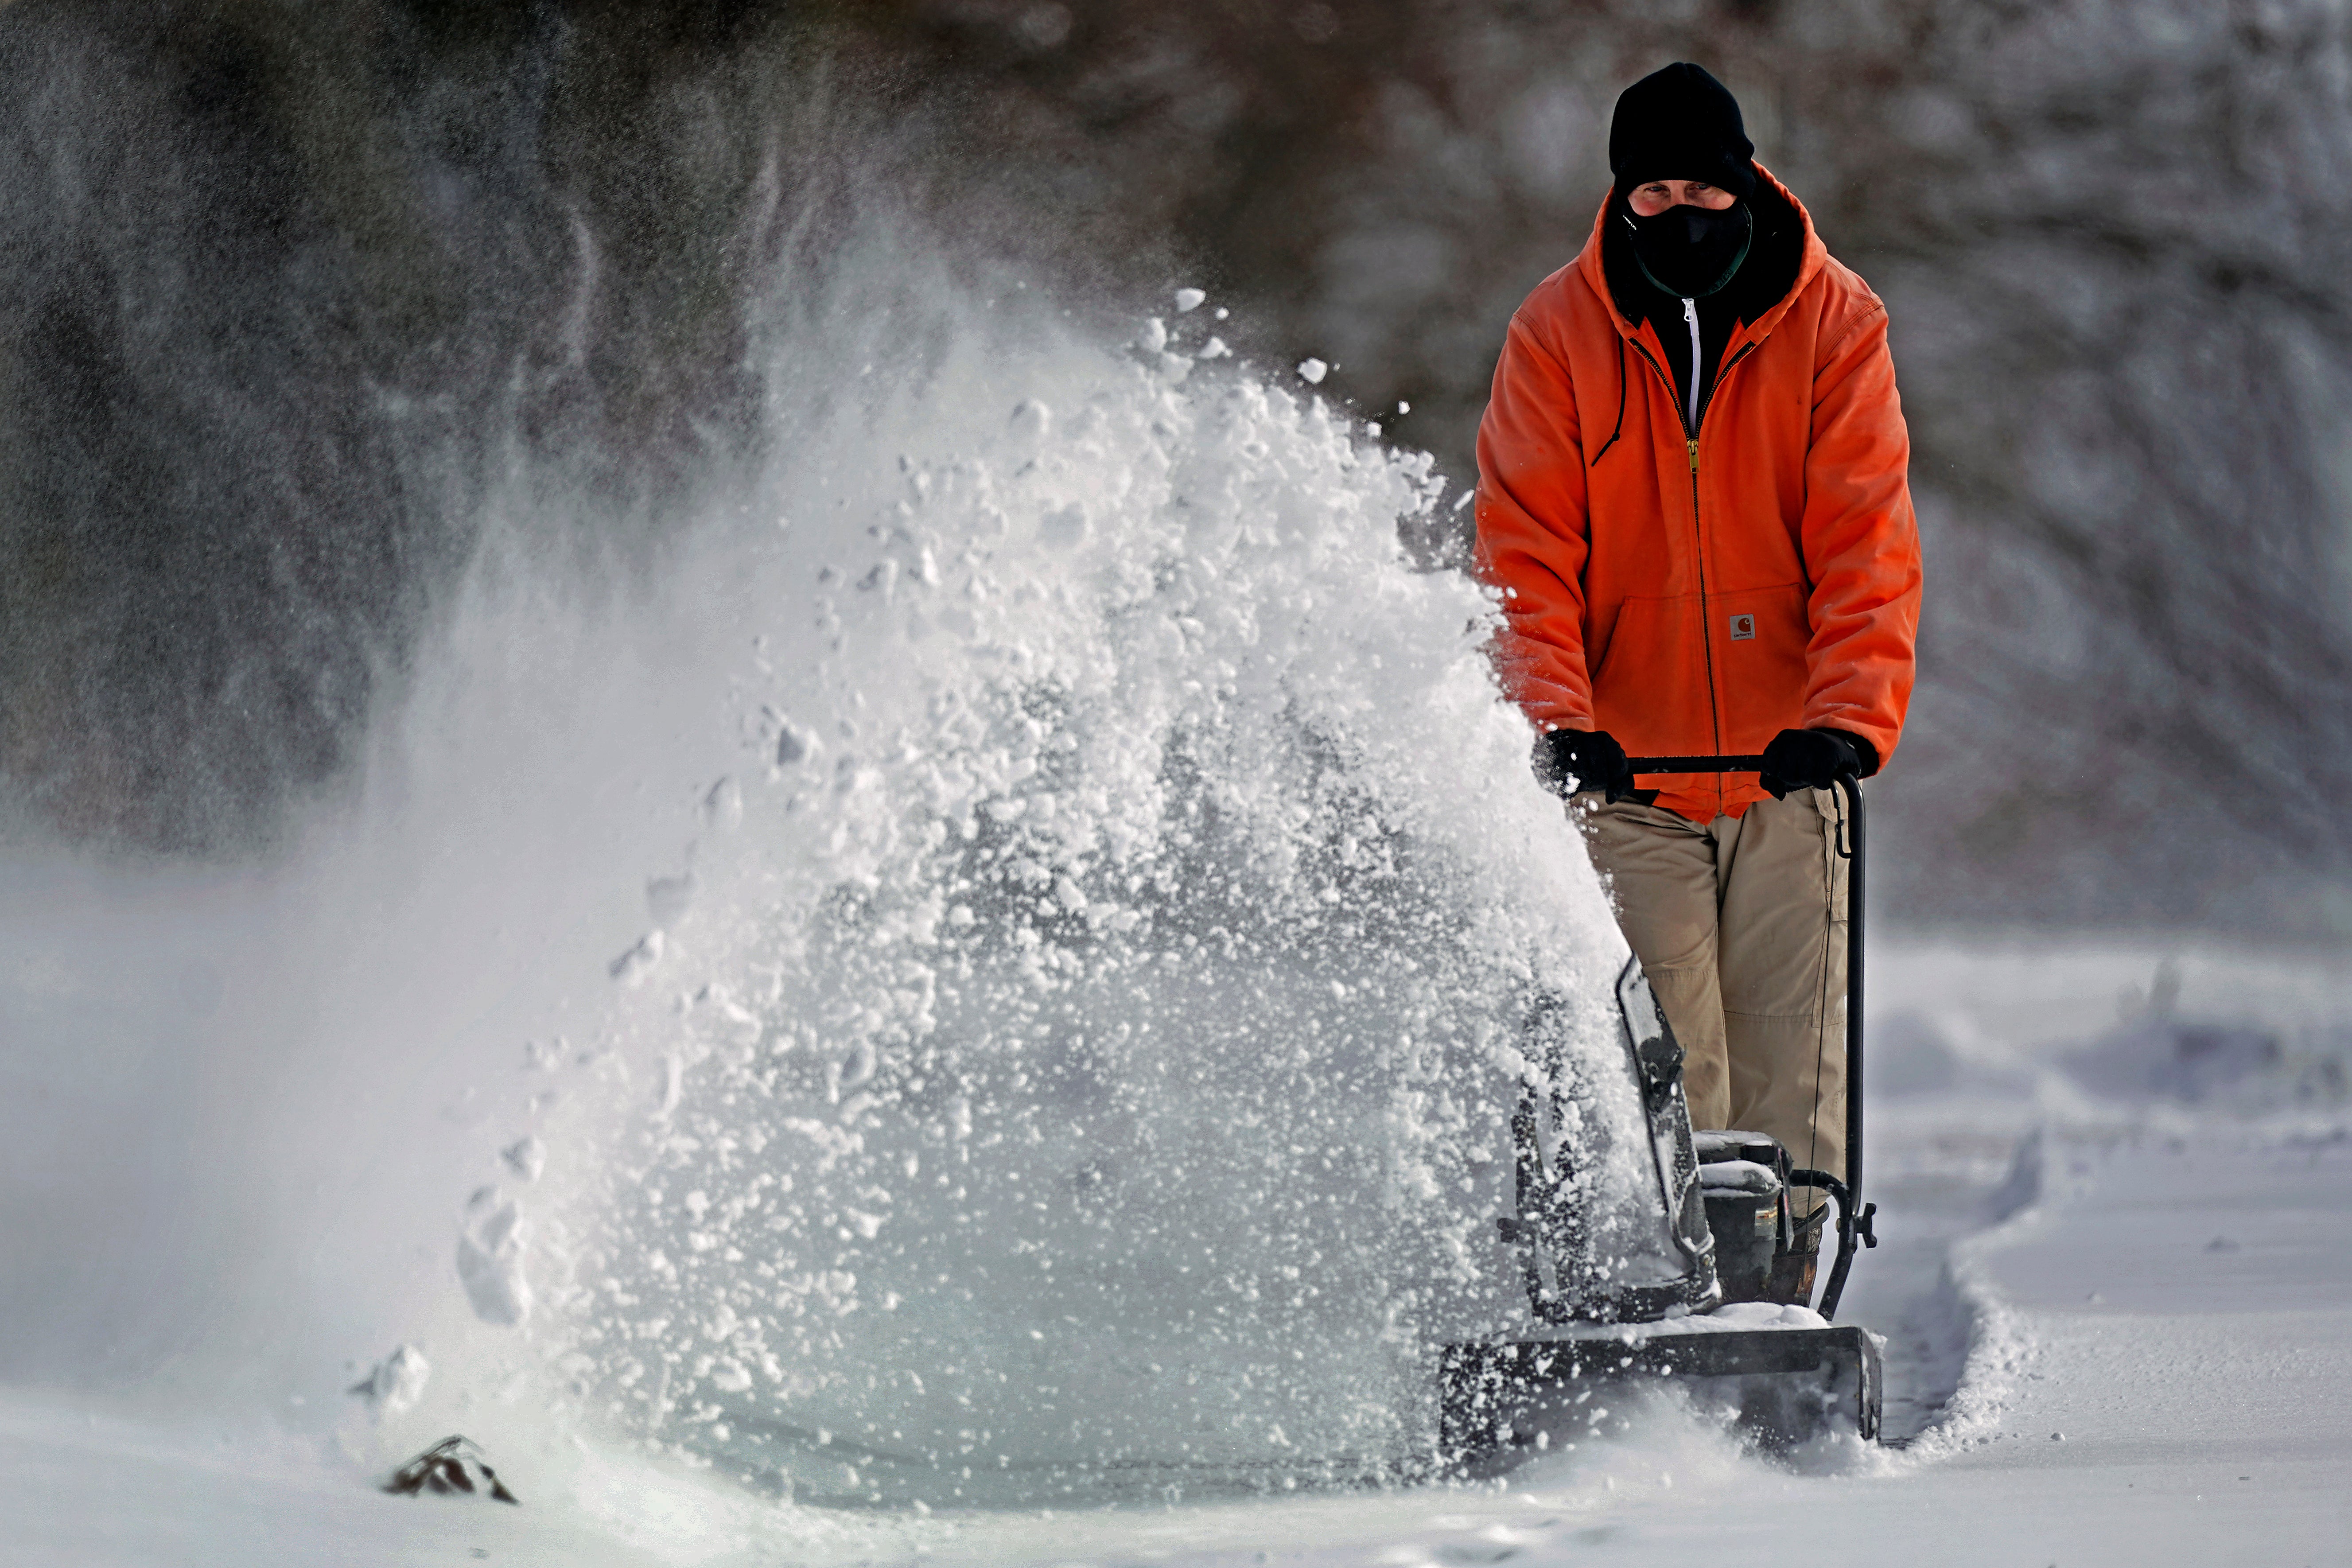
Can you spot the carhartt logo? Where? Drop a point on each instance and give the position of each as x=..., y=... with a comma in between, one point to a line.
x=1743, y=629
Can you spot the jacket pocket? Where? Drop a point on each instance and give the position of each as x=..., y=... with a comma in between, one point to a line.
x=1650, y=688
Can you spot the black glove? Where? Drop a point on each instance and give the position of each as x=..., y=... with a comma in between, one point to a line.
x=1814, y=759
x=1572, y=761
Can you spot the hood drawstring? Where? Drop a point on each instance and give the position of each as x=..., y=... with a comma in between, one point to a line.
x=1621, y=403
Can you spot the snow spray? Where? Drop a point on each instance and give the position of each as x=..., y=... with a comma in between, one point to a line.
x=989, y=967
x=1067, y=1041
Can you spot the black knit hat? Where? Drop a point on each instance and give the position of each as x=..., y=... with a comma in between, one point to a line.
x=1680, y=123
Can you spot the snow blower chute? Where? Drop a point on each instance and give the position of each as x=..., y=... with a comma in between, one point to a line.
x=1732, y=1328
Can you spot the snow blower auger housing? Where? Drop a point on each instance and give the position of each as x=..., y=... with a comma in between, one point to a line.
x=1734, y=1329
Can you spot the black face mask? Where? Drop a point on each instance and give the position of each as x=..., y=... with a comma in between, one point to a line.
x=1691, y=252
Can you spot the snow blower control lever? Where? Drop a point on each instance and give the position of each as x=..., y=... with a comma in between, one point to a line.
x=1854, y=1215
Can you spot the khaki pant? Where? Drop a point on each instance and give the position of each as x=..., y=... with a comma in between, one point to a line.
x=1740, y=925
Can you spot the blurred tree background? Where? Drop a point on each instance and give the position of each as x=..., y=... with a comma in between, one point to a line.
x=263, y=259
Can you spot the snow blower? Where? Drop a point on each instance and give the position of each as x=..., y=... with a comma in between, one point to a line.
x=1734, y=1328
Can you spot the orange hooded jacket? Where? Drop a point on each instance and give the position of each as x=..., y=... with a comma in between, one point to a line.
x=1698, y=592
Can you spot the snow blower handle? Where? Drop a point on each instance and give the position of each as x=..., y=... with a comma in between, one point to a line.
x=1695, y=764
x=1854, y=1215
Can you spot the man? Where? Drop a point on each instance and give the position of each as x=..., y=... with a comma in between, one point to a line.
x=1692, y=497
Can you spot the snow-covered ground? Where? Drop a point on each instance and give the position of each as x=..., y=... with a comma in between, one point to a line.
x=2113, y=1286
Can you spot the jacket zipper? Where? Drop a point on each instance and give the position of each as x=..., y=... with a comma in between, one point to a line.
x=1698, y=542
x=1690, y=419
x=1706, y=612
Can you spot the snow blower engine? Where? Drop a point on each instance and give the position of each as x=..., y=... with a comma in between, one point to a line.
x=1730, y=1321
